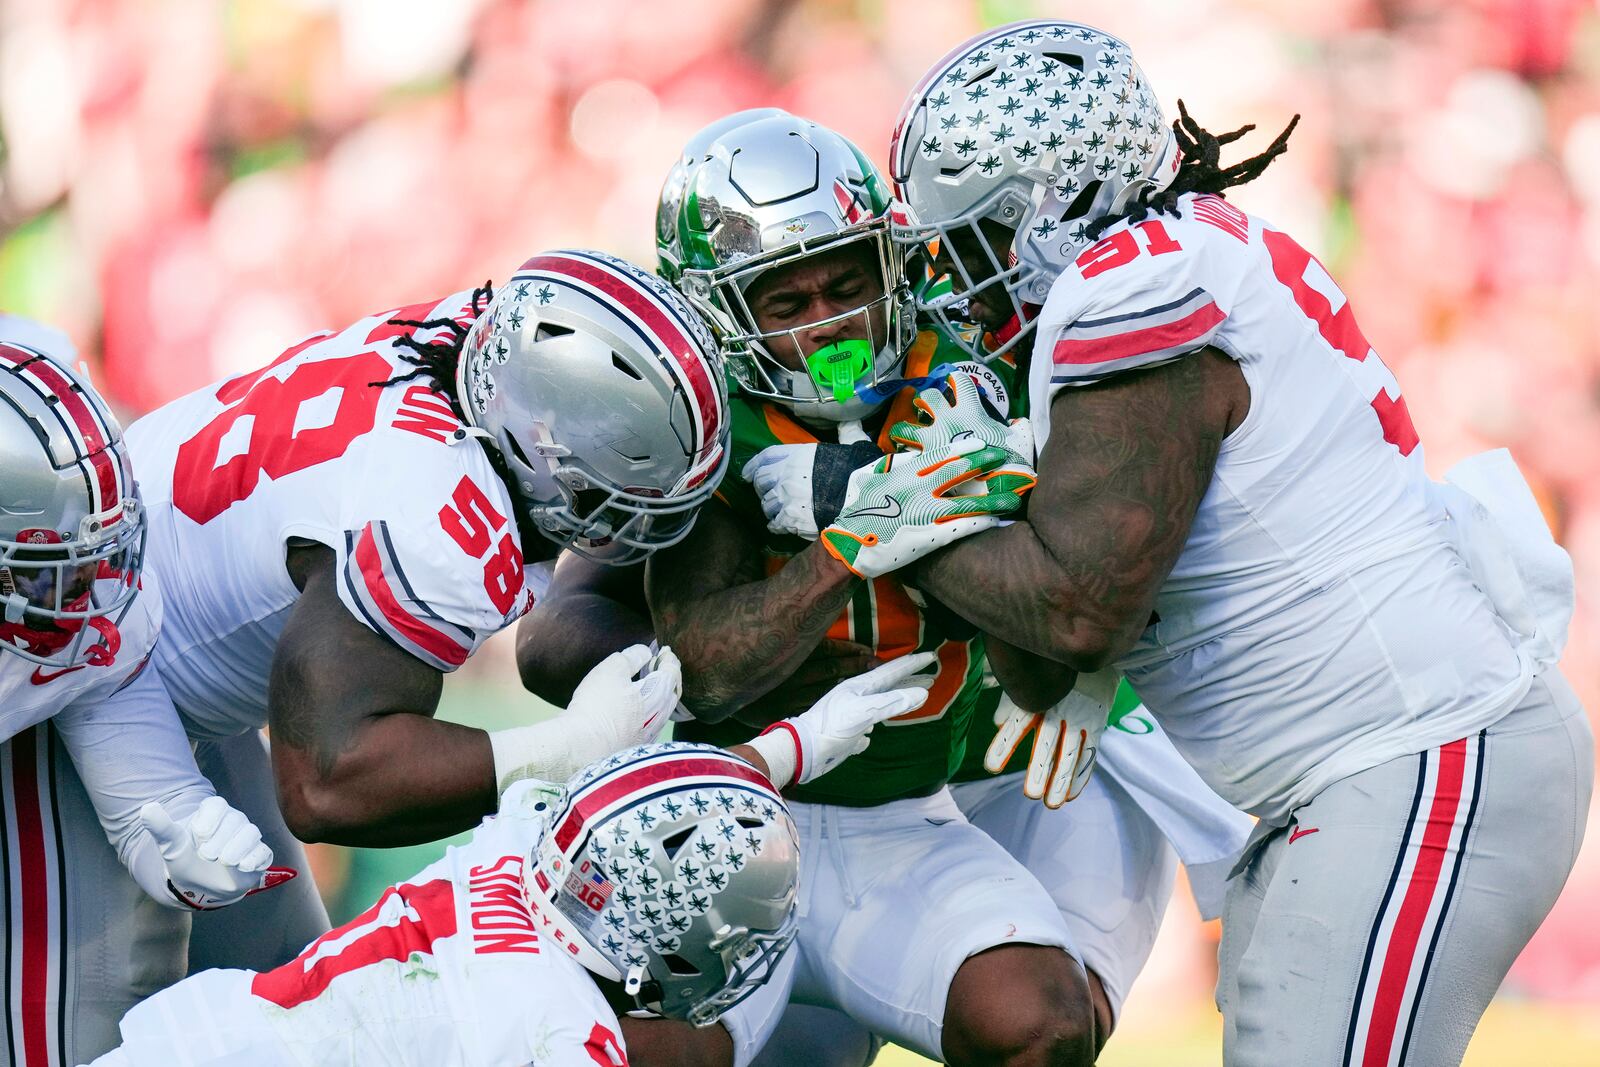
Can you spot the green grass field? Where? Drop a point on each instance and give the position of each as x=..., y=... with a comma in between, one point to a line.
x=1513, y=1034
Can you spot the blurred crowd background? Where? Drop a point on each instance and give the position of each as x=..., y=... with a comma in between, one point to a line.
x=189, y=186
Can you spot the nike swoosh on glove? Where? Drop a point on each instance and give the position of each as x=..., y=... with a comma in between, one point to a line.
x=910, y=504
x=1066, y=745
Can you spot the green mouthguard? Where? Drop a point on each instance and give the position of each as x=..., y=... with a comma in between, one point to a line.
x=840, y=367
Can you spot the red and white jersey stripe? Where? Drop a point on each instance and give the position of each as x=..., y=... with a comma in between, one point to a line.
x=1416, y=905
x=36, y=957
x=1319, y=552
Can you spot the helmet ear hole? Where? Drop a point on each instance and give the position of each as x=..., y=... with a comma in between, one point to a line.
x=678, y=965
x=1083, y=201
x=623, y=366
x=1066, y=59
x=676, y=842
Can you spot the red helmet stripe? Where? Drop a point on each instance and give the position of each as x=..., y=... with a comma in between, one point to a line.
x=82, y=421
x=607, y=793
x=631, y=296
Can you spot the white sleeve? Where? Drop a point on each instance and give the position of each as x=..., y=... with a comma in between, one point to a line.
x=434, y=565
x=1123, y=306
x=130, y=748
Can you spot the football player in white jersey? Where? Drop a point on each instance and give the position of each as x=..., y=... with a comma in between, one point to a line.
x=95, y=771
x=349, y=523
x=1118, y=855
x=1232, y=509
x=662, y=878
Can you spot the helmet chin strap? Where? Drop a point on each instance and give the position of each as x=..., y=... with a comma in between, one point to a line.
x=104, y=652
x=634, y=980
x=465, y=432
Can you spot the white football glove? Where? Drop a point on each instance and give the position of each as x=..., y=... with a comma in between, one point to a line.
x=781, y=475
x=1067, y=743
x=839, y=725
x=214, y=856
x=625, y=700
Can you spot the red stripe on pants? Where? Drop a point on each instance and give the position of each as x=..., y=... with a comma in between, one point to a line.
x=35, y=932
x=1400, y=957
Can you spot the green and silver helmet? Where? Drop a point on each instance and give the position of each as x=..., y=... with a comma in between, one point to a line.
x=669, y=254
x=768, y=194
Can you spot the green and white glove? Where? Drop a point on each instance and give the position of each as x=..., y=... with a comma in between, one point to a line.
x=909, y=504
x=965, y=414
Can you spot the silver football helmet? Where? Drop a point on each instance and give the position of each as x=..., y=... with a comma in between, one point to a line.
x=71, y=526
x=769, y=193
x=673, y=869
x=603, y=393
x=669, y=253
x=1041, y=127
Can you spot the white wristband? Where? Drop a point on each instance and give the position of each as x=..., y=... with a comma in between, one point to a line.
x=551, y=751
x=779, y=746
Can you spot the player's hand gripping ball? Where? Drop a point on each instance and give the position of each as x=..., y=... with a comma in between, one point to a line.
x=959, y=410
x=909, y=504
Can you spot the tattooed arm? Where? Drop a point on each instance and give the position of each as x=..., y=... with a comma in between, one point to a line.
x=738, y=632
x=357, y=755
x=1120, y=479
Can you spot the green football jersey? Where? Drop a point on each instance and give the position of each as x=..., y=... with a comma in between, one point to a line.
x=914, y=754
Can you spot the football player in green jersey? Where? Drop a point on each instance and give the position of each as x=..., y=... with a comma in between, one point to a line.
x=921, y=928
x=1106, y=860
x=783, y=231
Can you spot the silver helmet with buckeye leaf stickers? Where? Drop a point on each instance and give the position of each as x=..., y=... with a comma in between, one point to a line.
x=673, y=869
x=1040, y=127
x=71, y=525
x=604, y=394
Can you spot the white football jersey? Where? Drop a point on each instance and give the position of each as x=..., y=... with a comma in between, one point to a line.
x=309, y=448
x=447, y=969
x=31, y=693
x=1318, y=621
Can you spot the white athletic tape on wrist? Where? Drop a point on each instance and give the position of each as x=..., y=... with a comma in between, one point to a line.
x=551, y=751
x=779, y=745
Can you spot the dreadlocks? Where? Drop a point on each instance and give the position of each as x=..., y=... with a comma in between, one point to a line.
x=1202, y=171
x=437, y=360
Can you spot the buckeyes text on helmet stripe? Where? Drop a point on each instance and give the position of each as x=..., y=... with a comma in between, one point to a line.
x=672, y=336
x=85, y=426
